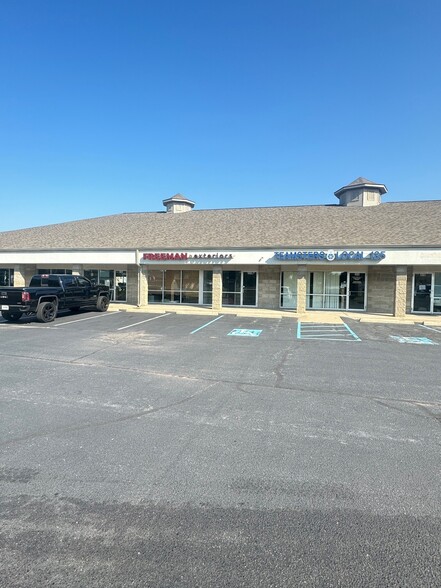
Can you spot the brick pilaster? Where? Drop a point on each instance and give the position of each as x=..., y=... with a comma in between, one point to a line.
x=216, y=303
x=301, y=289
x=400, y=291
x=19, y=276
x=143, y=286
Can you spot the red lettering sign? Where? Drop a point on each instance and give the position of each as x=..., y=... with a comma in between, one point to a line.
x=162, y=256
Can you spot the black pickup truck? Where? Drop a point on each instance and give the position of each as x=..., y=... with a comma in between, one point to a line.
x=49, y=293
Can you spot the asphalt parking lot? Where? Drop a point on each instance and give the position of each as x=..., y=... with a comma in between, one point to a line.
x=177, y=450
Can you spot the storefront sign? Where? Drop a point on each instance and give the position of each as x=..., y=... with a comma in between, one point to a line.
x=329, y=255
x=184, y=256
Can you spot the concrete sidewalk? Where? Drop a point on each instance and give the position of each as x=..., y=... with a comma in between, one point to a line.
x=316, y=316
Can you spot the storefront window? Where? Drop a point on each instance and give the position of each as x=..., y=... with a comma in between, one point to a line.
x=190, y=287
x=288, y=293
x=116, y=280
x=177, y=286
x=155, y=285
x=53, y=271
x=172, y=286
x=6, y=277
x=92, y=275
x=324, y=289
x=337, y=290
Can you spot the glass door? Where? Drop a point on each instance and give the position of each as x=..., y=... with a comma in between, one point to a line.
x=120, y=285
x=357, y=289
x=249, y=288
x=239, y=288
x=231, y=288
x=422, y=293
x=437, y=293
x=207, y=287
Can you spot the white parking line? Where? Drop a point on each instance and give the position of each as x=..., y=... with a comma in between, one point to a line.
x=23, y=326
x=146, y=321
x=89, y=318
x=430, y=328
x=206, y=324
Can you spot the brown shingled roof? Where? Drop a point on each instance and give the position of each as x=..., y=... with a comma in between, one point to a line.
x=389, y=224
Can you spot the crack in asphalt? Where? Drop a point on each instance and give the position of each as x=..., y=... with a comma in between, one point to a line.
x=127, y=417
x=425, y=407
x=237, y=383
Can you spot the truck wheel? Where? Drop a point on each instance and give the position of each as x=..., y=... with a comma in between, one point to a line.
x=46, y=312
x=102, y=304
x=12, y=317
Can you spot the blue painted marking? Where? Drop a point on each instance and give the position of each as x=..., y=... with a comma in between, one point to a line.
x=206, y=324
x=326, y=332
x=414, y=340
x=245, y=332
x=356, y=337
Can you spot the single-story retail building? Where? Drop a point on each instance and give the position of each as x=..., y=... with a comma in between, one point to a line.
x=360, y=254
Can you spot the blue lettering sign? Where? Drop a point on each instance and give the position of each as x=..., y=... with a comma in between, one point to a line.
x=329, y=255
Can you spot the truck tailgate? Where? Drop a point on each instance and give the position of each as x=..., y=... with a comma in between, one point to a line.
x=10, y=296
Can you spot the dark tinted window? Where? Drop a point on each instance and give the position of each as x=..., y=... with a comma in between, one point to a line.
x=53, y=282
x=68, y=281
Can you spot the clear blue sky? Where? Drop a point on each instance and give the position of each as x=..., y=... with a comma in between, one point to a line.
x=112, y=106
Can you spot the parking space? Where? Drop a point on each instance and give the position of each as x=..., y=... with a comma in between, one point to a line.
x=398, y=333
x=63, y=317
x=287, y=330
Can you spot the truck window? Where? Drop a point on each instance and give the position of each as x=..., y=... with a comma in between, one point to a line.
x=35, y=282
x=38, y=281
x=69, y=281
x=53, y=282
x=83, y=282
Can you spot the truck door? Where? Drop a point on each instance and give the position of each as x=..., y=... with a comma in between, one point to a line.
x=72, y=295
x=86, y=287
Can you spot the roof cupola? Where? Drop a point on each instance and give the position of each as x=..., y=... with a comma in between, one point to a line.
x=361, y=192
x=178, y=203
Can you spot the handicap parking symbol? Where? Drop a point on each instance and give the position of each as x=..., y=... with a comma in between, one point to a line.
x=245, y=332
x=414, y=340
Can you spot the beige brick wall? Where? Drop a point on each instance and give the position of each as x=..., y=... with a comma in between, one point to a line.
x=139, y=291
x=400, y=291
x=132, y=286
x=217, y=289
x=269, y=288
x=23, y=274
x=409, y=289
x=20, y=276
x=381, y=289
x=301, y=289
